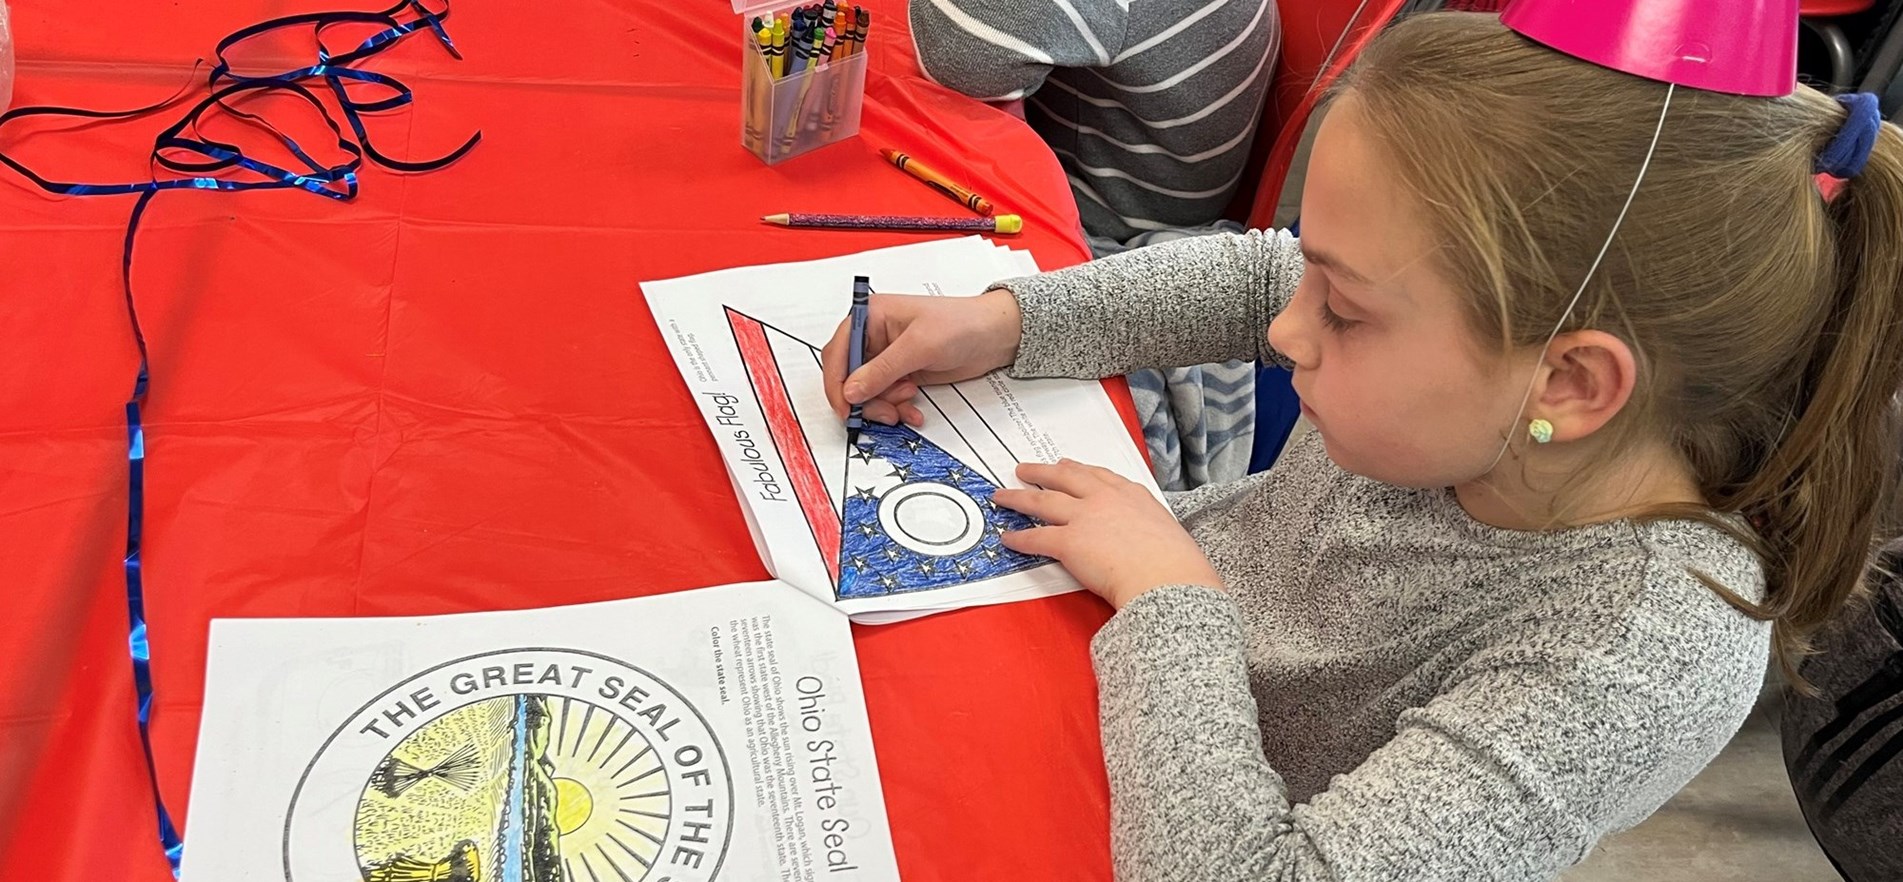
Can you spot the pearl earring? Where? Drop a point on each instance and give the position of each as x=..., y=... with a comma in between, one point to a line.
x=1541, y=430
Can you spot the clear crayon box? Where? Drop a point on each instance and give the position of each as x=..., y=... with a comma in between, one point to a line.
x=790, y=114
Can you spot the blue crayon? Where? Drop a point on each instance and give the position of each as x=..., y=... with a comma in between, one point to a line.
x=856, y=350
x=798, y=40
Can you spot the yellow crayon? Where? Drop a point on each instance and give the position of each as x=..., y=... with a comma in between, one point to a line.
x=799, y=104
x=778, y=54
x=759, y=91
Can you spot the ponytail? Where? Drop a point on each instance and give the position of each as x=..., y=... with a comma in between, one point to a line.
x=1819, y=500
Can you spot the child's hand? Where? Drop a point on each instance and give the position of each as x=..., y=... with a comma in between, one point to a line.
x=913, y=341
x=1108, y=531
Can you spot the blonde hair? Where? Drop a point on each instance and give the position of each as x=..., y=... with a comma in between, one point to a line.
x=1767, y=322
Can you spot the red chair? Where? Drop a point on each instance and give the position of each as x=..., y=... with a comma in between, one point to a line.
x=1319, y=39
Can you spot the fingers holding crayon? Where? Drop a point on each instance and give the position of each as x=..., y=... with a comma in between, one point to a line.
x=913, y=341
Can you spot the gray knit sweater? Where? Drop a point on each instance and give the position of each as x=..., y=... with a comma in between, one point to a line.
x=1385, y=689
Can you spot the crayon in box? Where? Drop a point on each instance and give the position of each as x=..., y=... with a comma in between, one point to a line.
x=798, y=91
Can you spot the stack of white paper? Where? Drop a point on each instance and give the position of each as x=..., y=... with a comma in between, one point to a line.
x=900, y=524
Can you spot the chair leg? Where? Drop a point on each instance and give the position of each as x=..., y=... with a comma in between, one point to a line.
x=1837, y=46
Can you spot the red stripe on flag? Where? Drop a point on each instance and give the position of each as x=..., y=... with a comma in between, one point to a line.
x=784, y=426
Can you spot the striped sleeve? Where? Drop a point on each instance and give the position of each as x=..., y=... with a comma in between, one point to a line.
x=1161, y=138
x=1001, y=50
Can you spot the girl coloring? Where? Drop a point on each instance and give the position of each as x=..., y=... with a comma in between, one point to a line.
x=1565, y=489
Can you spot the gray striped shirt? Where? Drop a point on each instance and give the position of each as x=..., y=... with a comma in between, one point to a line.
x=1150, y=104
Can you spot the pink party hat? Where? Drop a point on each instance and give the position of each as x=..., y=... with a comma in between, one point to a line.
x=1743, y=47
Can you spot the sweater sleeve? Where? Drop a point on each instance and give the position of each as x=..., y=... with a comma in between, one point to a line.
x=1192, y=301
x=1512, y=773
x=1001, y=50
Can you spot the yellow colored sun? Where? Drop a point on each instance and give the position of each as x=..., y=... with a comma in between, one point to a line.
x=573, y=805
x=613, y=799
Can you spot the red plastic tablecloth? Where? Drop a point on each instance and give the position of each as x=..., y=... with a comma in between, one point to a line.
x=448, y=395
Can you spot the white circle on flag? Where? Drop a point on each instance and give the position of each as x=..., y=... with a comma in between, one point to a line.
x=932, y=518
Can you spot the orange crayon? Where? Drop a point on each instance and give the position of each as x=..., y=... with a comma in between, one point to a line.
x=844, y=25
x=937, y=181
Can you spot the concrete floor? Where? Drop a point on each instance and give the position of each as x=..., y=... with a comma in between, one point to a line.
x=1736, y=822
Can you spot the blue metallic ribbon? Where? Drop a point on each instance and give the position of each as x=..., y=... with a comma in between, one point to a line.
x=172, y=150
